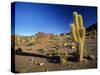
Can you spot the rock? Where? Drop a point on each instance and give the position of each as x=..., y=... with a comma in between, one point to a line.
x=44, y=53
x=43, y=37
x=41, y=64
x=65, y=44
x=85, y=60
x=92, y=57
x=73, y=47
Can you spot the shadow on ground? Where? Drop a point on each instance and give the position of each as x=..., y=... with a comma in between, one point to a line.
x=51, y=59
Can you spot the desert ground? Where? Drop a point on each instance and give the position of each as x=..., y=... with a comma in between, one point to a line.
x=53, y=55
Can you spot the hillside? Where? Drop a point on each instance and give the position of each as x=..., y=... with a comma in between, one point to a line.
x=92, y=27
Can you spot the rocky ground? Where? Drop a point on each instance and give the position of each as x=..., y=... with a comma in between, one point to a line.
x=43, y=57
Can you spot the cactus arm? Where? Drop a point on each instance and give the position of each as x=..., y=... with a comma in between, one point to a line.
x=76, y=23
x=82, y=29
x=82, y=34
x=74, y=37
x=75, y=20
x=80, y=21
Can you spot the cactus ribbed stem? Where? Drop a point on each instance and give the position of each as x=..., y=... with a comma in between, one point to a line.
x=78, y=34
x=73, y=32
x=80, y=21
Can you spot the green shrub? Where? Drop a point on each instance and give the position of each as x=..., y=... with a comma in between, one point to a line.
x=31, y=44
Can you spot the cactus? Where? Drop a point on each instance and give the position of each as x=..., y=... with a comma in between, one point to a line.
x=78, y=34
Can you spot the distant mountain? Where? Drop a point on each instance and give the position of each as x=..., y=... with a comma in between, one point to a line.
x=42, y=36
x=92, y=27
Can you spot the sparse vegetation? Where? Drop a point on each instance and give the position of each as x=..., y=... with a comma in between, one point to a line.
x=31, y=44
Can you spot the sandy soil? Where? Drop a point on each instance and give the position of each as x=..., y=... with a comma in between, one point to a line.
x=34, y=59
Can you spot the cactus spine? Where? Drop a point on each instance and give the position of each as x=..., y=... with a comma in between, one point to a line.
x=78, y=34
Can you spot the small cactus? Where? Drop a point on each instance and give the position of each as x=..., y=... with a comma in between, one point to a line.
x=78, y=33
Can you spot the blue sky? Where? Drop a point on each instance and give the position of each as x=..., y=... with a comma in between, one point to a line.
x=31, y=18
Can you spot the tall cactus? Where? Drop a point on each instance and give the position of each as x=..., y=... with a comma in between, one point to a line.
x=78, y=34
